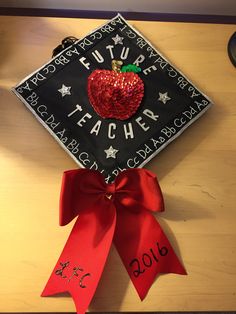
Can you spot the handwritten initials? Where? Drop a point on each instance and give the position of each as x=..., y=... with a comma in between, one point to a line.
x=75, y=273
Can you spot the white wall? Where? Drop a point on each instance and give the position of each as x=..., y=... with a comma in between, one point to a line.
x=216, y=7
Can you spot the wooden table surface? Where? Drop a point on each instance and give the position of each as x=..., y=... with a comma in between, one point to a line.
x=197, y=174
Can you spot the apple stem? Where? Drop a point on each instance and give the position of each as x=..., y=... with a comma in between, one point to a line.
x=116, y=65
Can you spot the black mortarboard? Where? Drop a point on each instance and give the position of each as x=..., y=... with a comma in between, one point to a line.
x=108, y=121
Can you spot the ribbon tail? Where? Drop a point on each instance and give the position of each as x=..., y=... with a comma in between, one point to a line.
x=82, y=260
x=144, y=249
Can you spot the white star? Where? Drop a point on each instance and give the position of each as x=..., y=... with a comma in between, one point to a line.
x=64, y=90
x=164, y=97
x=111, y=152
x=118, y=40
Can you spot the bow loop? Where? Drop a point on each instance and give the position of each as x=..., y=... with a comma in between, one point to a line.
x=80, y=183
x=138, y=189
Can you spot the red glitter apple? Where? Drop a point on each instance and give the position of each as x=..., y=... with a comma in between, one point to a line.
x=116, y=93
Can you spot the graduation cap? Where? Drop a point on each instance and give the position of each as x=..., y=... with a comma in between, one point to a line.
x=111, y=99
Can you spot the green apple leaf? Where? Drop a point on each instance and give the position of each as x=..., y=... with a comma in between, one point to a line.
x=130, y=68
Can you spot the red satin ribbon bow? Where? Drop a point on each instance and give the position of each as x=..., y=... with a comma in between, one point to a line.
x=118, y=212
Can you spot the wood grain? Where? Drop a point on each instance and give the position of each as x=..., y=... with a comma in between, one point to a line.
x=197, y=174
